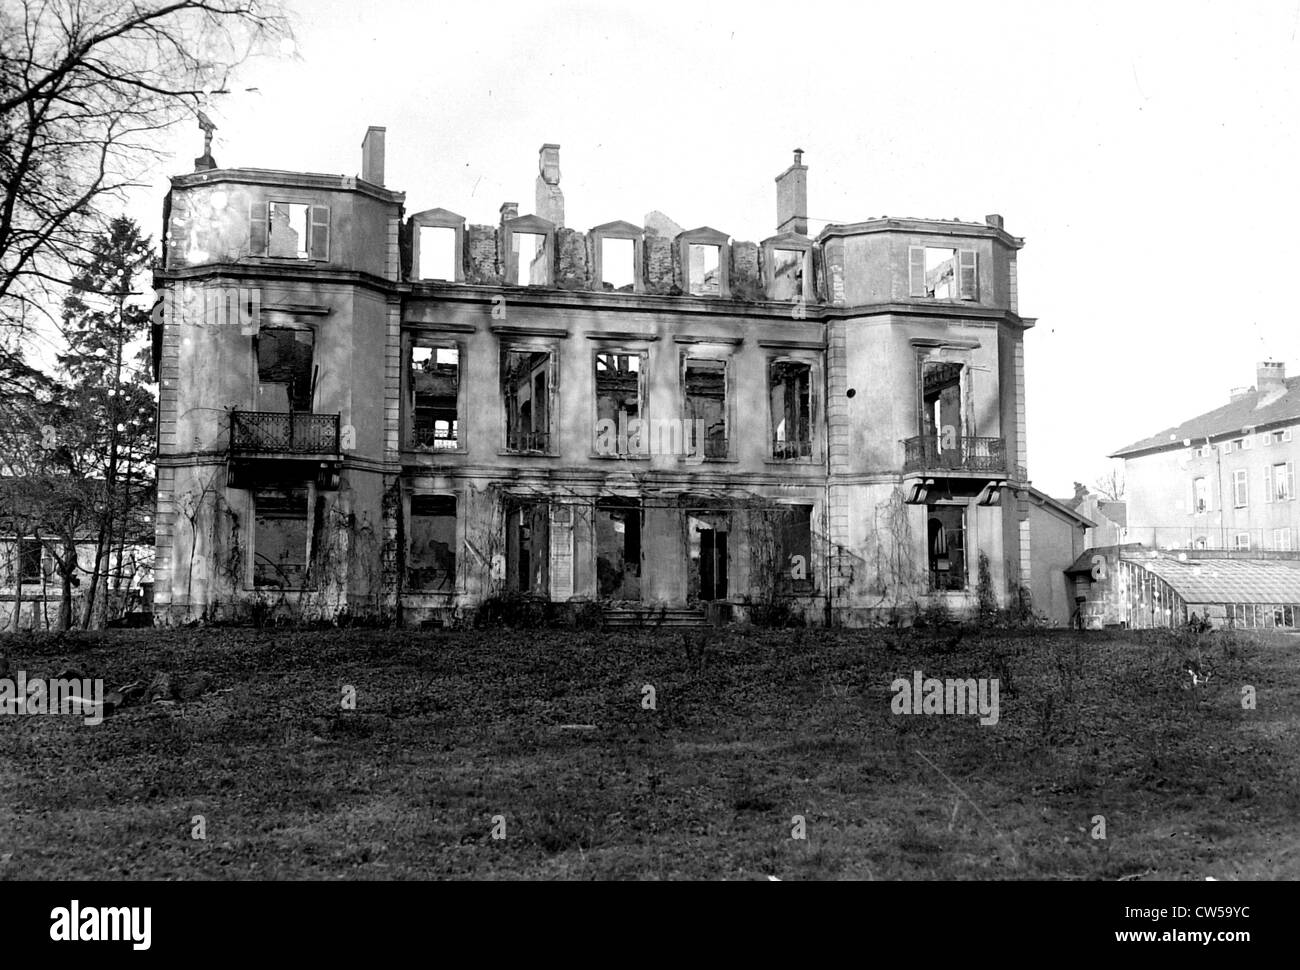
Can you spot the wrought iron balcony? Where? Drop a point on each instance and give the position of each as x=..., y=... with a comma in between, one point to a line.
x=534, y=441
x=293, y=433
x=926, y=453
x=436, y=439
x=784, y=449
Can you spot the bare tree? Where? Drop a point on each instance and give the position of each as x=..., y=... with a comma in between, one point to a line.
x=86, y=87
x=1111, y=485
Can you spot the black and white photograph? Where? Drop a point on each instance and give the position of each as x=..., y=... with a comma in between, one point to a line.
x=580, y=441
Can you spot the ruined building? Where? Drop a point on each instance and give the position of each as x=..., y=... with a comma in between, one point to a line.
x=368, y=411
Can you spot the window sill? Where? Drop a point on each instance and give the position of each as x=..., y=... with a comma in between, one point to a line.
x=629, y=456
x=417, y=450
x=693, y=460
x=792, y=461
x=505, y=453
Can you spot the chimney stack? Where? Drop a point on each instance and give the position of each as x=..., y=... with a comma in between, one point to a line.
x=792, y=197
x=993, y=220
x=1270, y=380
x=550, y=200
x=372, y=156
x=509, y=210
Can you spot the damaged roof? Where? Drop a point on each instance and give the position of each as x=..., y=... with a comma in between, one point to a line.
x=1230, y=419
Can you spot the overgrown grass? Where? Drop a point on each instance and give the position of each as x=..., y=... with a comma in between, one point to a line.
x=750, y=729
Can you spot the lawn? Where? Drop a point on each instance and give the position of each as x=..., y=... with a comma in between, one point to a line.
x=547, y=734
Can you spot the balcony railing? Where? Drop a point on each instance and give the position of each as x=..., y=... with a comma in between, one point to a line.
x=528, y=441
x=932, y=453
x=788, y=450
x=273, y=432
x=435, y=439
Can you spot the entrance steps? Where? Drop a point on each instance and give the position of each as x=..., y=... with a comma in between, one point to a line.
x=650, y=617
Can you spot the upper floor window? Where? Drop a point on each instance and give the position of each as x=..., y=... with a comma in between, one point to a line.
x=618, y=387
x=704, y=255
x=943, y=273
x=289, y=230
x=528, y=393
x=618, y=265
x=435, y=384
x=1239, y=488
x=789, y=384
x=1279, y=482
x=437, y=241
x=1201, y=495
x=286, y=373
x=529, y=257
x=704, y=383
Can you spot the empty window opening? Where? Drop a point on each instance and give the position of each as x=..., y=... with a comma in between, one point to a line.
x=29, y=561
x=704, y=272
x=431, y=556
x=527, y=548
x=941, y=418
x=435, y=390
x=1201, y=488
x=530, y=258
x=526, y=388
x=618, y=265
x=289, y=230
x=281, y=536
x=618, y=549
x=437, y=246
x=707, y=552
x=618, y=387
x=794, y=549
x=943, y=273
x=285, y=376
x=787, y=274
x=945, y=535
x=706, y=406
x=790, y=393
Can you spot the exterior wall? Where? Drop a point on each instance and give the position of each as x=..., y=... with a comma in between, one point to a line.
x=864, y=338
x=1161, y=511
x=1056, y=543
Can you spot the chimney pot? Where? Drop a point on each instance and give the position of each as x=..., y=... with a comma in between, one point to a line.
x=372, y=156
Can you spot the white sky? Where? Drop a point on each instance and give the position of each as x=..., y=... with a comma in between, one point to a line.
x=1147, y=152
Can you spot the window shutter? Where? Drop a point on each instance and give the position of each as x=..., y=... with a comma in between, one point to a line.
x=320, y=232
x=561, y=553
x=258, y=220
x=1268, y=483
x=916, y=270
x=1290, y=480
x=969, y=277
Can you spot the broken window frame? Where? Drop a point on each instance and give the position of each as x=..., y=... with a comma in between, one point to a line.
x=718, y=523
x=788, y=243
x=528, y=225
x=312, y=379
x=796, y=518
x=533, y=514
x=615, y=231
x=642, y=356
x=704, y=236
x=438, y=219
x=316, y=227
x=713, y=447
x=431, y=505
x=310, y=514
x=965, y=273
x=793, y=450
x=930, y=429
x=625, y=508
x=412, y=433
x=28, y=550
x=513, y=437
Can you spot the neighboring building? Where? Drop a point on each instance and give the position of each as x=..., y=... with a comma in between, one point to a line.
x=1058, y=538
x=1223, y=480
x=1138, y=588
x=366, y=412
x=30, y=583
x=1110, y=517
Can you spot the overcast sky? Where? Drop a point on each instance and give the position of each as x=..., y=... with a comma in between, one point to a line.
x=1146, y=152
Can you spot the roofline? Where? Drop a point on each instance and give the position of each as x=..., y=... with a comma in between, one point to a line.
x=935, y=227
x=1217, y=436
x=277, y=178
x=1043, y=499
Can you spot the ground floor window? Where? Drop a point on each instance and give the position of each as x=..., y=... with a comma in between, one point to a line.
x=431, y=554
x=945, y=533
x=618, y=549
x=281, y=537
x=706, y=538
x=527, y=544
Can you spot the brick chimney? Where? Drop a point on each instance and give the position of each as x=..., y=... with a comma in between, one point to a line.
x=372, y=156
x=792, y=197
x=550, y=199
x=1270, y=380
